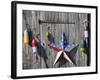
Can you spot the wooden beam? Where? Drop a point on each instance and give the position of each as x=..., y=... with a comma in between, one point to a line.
x=51, y=22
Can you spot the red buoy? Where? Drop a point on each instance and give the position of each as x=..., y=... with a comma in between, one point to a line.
x=34, y=46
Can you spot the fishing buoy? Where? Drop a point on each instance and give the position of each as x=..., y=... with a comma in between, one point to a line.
x=34, y=46
x=47, y=35
x=82, y=46
x=26, y=37
x=86, y=34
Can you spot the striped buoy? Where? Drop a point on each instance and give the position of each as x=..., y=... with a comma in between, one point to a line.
x=26, y=37
x=34, y=46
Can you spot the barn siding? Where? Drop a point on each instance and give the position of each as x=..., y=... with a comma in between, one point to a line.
x=46, y=55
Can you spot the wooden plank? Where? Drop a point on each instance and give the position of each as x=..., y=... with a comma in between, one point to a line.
x=77, y=35
x=56, y=37
x=45, y=50
x=36, y=30
x=52, y=57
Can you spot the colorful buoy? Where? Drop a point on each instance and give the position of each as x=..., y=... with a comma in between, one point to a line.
x=47, y=35
x=34, y=46
x=26, y=37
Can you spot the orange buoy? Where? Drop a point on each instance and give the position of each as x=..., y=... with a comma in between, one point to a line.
x=47, y=35
x=26, y=37
x=34, y=46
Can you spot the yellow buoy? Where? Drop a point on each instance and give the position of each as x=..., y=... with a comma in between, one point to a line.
x=82, y=46
x=82, y=50
x=26, y=37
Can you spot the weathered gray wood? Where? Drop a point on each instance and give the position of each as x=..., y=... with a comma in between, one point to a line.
x=73, y=32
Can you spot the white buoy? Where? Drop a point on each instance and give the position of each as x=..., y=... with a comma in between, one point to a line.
x=34, y=46
x=86, y=34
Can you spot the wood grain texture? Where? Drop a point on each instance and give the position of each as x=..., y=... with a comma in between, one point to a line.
x=46, y=56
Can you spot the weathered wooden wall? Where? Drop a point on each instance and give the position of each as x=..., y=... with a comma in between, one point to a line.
x=73, y=33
